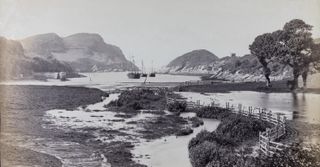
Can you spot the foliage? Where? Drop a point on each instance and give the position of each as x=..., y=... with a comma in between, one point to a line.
x=202, y=154
x=241, y=128
x=138, y=99
x=177, y=106
x=297, y=155
x=223, y=142
x=213, y=112
x=292, y=46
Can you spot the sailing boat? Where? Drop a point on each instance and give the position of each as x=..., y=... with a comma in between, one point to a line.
x=152, y=74
x=143, y=74
x=133, y=74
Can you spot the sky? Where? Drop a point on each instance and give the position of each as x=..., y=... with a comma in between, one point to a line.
x=158, y=30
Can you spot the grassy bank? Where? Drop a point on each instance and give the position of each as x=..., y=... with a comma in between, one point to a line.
x=219, y=148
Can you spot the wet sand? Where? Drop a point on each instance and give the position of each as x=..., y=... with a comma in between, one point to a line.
x=22, y=111
x=71, y=126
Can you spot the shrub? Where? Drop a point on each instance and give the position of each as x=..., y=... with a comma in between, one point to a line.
x=177, y=106
x=202, y=154
x=240, y=128
x=297, y=155
x=212, y=112
x=196, y=122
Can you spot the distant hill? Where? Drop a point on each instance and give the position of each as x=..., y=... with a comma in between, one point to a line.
x=244, y=68
x=82, y=51
x=14, y=62
x=196, y=59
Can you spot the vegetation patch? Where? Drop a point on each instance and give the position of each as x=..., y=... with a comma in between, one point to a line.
x=161, y=126
x=219, y=148
x=139, y=99
x=177, y=107
x=184, y=132
x=196, y=122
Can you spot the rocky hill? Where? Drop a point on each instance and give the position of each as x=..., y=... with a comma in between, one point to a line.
x=82, y=51
x=196, y=60
x=14, y=63
x=234, y=68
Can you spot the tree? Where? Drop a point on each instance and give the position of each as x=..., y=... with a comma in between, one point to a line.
x=263, y=47
x=292, y=46
x=295, y=47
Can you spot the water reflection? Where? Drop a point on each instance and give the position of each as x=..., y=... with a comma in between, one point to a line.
x=299, y=106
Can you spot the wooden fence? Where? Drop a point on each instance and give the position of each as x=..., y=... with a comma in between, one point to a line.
x=267, y=138
x=267, y=143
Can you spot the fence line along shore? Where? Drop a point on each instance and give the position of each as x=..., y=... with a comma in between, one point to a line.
x=267, y=139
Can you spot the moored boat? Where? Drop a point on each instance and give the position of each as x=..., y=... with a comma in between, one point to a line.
x=133, y=75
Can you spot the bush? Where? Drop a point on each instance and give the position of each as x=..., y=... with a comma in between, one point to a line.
x=196, y=122
x=231, y=132
x=212, y=112
x=138, y=99
x=202, y=154
x=241, y=128
x=297, y=155
x=177, y=107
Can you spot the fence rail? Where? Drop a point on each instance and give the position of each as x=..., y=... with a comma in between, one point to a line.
x=267, y=144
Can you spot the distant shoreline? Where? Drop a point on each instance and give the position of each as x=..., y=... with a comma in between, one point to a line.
x=225, y=87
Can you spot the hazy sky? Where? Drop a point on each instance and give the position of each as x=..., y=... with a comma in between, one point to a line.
x=158, y=30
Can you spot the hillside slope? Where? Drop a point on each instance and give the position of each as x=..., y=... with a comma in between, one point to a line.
x=15, y=64
x=82, y=51
x=234, y=68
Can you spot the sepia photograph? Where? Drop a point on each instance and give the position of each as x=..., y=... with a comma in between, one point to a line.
x=160, y=83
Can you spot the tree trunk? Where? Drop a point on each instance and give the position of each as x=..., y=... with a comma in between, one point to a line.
x=305, y=76
x=304, y=79
x=296, y=74
x=266, y=71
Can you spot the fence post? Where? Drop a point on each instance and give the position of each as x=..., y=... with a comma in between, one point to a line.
x=269, y=116
x=259, y=140
x=212, y=104
x=268, y=141
x=239, y=108
x=227, y=105
x=260, y=116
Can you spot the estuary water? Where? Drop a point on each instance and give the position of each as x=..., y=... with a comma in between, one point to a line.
x=172, y=150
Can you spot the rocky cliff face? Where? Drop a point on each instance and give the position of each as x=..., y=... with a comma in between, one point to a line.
x=234, y=68
x=82, y=51
x=15, y=64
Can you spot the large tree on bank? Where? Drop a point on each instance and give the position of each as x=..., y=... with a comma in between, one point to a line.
x=292, y=46
x=263, y=47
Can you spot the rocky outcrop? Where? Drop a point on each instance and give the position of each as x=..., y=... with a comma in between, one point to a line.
x=234, y=68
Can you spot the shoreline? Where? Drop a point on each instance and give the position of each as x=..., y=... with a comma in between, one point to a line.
x=223, y=87
x=86, y=139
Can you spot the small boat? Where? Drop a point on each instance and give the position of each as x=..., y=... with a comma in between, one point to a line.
x=143, y=74
x=152, y=74
x=133, y=75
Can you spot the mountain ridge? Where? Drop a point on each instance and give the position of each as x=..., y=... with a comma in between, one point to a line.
x=76, y=48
